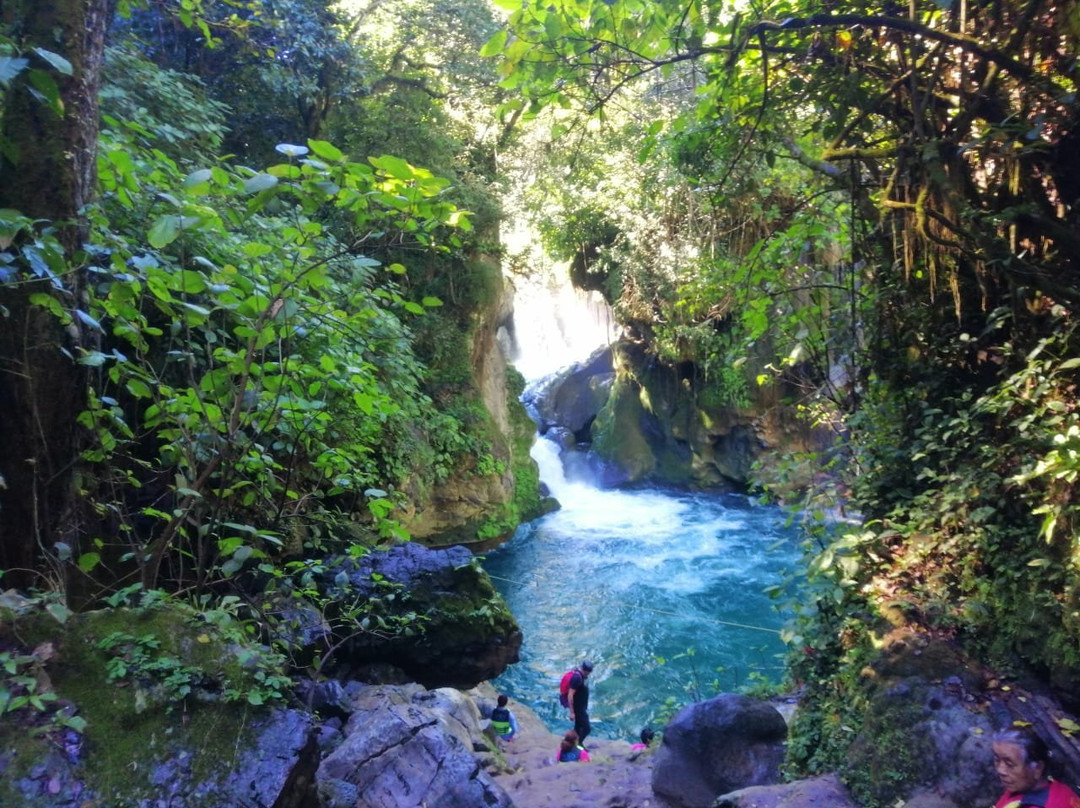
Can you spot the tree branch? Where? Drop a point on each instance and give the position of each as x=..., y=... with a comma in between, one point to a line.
x=967, y=43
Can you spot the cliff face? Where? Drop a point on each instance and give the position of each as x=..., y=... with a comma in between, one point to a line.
x=492, y=493
x=645, y=421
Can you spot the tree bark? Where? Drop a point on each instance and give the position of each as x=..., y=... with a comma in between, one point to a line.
x=47, y=171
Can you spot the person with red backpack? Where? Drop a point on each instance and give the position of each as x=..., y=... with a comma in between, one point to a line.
x=574, y=694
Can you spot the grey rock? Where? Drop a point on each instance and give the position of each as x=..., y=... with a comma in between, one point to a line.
x=819, y=792
x=406, y=746
x=717, y=746
x=468, y=634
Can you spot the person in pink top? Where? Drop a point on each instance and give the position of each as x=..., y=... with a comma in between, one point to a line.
x=647, y=736
x=1020, y=759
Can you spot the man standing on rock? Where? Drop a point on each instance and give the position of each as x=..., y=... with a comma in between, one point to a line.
x=578, y=699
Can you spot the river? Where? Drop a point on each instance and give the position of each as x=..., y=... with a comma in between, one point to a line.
x=662, y=591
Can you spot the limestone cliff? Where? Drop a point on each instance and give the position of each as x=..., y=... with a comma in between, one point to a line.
x=492, y=492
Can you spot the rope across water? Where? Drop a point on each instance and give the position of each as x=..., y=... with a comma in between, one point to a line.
x=662, y=611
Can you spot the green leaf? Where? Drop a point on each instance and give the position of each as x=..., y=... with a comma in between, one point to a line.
x=165, y=230
x=93, y=359
x=394, y=166
x=58, y=62
x=86, y=319
x=260, y=182
x=460, y=218
x=255, y=249
x=326, y=151
x=494, y=45
x=192, y=282
x=291, y=149
x=87, y=561
x=10, y=67
x=59, y=611
x=138, y=388
x=198, y=182
x=44, y=87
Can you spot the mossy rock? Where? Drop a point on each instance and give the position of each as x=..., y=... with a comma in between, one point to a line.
x=618, y=436
x=438, y=617
x=178, y=713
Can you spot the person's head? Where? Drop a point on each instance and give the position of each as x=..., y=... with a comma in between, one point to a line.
x=502, y=699
x=569, y=741
x=1020, y=758
x=586, y=668
x=647, y=736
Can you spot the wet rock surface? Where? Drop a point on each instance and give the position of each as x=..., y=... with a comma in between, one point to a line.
x=405, y=747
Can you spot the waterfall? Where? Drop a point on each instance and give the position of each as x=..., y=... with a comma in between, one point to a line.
x=662, y=590
x=556, y=325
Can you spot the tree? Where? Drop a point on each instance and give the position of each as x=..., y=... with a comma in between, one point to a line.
x=944, y=138
x=47, y=175
x=936, y=115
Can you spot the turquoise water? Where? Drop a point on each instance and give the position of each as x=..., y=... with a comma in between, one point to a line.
x=662, y=591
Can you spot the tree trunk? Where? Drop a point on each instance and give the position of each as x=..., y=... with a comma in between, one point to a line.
x=47, y=171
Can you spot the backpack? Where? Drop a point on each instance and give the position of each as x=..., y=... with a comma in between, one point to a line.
x=564, y=687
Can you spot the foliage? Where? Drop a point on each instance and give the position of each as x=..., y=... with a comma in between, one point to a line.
x=165, y=109
x=242, y=368
x=42, y=69
x=920, y=288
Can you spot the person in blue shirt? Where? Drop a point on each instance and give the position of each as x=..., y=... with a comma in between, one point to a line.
x=570, y=750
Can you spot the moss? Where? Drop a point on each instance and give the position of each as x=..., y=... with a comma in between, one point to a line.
x=130, y=727
x=616, y=432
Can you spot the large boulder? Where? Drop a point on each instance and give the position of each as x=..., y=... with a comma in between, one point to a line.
x=928, y=724
x=716, y=746
x=273, y=765
x=571, y=398
x=405, y=747
x=671, y=423
x=146, y=707
x=467, y=634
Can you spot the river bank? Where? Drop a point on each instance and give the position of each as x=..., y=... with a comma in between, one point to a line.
x=616, y=775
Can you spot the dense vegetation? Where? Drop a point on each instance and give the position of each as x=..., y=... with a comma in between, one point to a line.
x=237, y=317
x=248, y=253
x=884, y=201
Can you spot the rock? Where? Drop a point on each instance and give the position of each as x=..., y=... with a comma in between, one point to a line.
x=625, y=435
x=469, y=634
x=455, y=509
x=819, y=792
x=571, y=398
x=717, y=746
x=926, y=727
x=928, y=799
x=670, y=424
x=327, y=699
x=405, y=747
x=277, y=769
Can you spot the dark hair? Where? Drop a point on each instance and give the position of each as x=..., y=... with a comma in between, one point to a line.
x=569, y=741
x=502, y=699
x=586, y=666
x=1033, y=747
x=647, y=735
